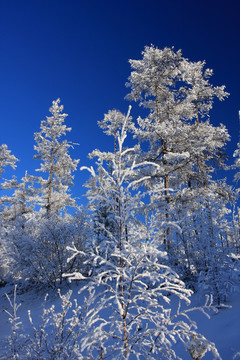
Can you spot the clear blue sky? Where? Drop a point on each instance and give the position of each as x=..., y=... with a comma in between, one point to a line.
x=78, y=50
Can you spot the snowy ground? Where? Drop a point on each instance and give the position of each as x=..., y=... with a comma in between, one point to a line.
x=223, y=328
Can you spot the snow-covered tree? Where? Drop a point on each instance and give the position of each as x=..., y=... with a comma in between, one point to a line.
x=132, y=282
x=36, y=244
x=55, y=160
x=177, y=93
x=6, y=158
x=105, y=195
x=182, y=142
x=154, y=83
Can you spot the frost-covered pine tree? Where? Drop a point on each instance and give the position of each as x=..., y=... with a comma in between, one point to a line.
x=6, y=159
x=152, y=82
x=55, y=160
x=37, y=243
x=181, y=141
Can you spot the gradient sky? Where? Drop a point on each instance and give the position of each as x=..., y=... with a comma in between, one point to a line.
x=78, y=50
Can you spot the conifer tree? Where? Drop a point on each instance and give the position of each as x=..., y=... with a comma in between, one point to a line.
x=55, y=160
x=6, y=159
x=38, y=242
x=182, y=141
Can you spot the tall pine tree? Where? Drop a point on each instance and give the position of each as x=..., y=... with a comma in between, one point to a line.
x=55, y=160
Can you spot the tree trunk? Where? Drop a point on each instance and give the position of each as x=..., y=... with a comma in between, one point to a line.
x=50, y=180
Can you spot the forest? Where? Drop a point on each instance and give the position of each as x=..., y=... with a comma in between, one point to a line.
x=160, y=223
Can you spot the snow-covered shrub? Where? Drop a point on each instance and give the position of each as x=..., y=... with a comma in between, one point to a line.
x=38, y=250
x=58, y=335
x=17, y=341
x=133, y=313
x=198, y=347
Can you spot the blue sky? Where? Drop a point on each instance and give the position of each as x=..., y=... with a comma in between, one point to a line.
x=79, y=51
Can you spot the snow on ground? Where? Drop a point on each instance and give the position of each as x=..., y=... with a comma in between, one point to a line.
x=223, y=328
